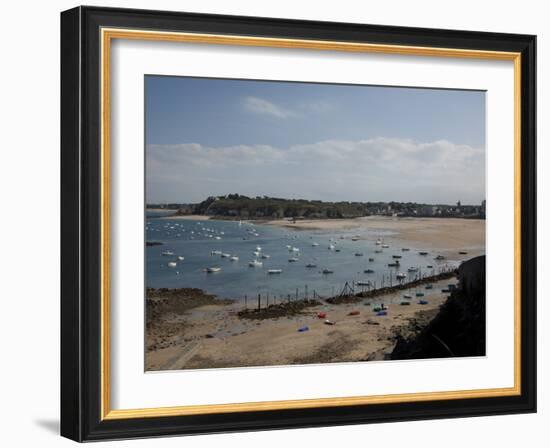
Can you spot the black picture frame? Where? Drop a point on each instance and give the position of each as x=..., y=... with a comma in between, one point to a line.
x=81, y=224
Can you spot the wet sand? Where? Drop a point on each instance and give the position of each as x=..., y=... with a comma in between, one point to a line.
x=213, y=335
x=444, y=235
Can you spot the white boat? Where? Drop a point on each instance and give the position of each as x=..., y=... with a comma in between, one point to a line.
x=274, y=271
x=224, y=255
x=331, y=247
x=256, y=253
x=213, y=269
x=355, y=238
x=265, y=256
x=216, y=252
x=167, y=253
x=234, y=258
x=293, y=260
x=294, y=249
x=314, y=244
x=412, y=269
x=378, y=242
x=180, y=258
x=401, y=275
x=172, y=264
x=363, y=283
x=258, y=248
x=255, y=264
x=218, y=237
x=385, y=246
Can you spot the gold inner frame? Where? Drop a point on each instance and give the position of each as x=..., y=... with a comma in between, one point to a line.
x=107, y=35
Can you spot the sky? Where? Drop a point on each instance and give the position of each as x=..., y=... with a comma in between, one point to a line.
x=332, y=142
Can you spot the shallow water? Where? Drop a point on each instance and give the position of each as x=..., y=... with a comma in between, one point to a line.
x=195, y=240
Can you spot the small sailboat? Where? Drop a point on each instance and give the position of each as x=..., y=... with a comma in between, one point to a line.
x=216, y=252
x=255, y=264
x=213, y=269
x=396, y=256
x=395, y=264
x=224, y=255
x=293, y=260
x=256, y=253
x=167, y=253
x=234, y=258
x=274, y=271
x=429, y=286
x=385, y=246
x=180, y=258
x=258, y=248
x=401, y=275
x=378, y=242
x=405, y=249
x=368, y=271
x=378, y=251
x=371, y=259
x=355, y=238
x=328, y=271
x=412, y=269
x=358, y=254
x=172, y=264
x=331, y=247
x=439, y=257
x=311, y=265
x=363, y=283
x=422, y=252
x=314, y=244
x=265, y=256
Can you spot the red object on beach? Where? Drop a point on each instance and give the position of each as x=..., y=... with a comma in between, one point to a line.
x=321, y=315
x=354, y=313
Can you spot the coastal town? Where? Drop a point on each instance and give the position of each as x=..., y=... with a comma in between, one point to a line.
x=236, y=206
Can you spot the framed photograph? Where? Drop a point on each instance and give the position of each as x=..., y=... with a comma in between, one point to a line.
x=273, y=223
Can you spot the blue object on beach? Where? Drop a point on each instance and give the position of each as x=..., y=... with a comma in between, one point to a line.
x=301, y=330
x=382, y=313
x=422, y=302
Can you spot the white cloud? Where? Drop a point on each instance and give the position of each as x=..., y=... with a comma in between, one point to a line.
x=373, y=169
x=264, y=107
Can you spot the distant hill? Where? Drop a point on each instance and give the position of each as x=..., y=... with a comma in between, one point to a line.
x=238, y=206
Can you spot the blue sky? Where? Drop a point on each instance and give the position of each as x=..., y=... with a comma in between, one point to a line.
x=316, y=141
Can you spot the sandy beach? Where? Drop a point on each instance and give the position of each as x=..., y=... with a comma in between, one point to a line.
x=208, y=333
x=445, y=235
x=214, y=336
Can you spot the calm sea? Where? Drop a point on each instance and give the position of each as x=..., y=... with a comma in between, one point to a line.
x=195, y=241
